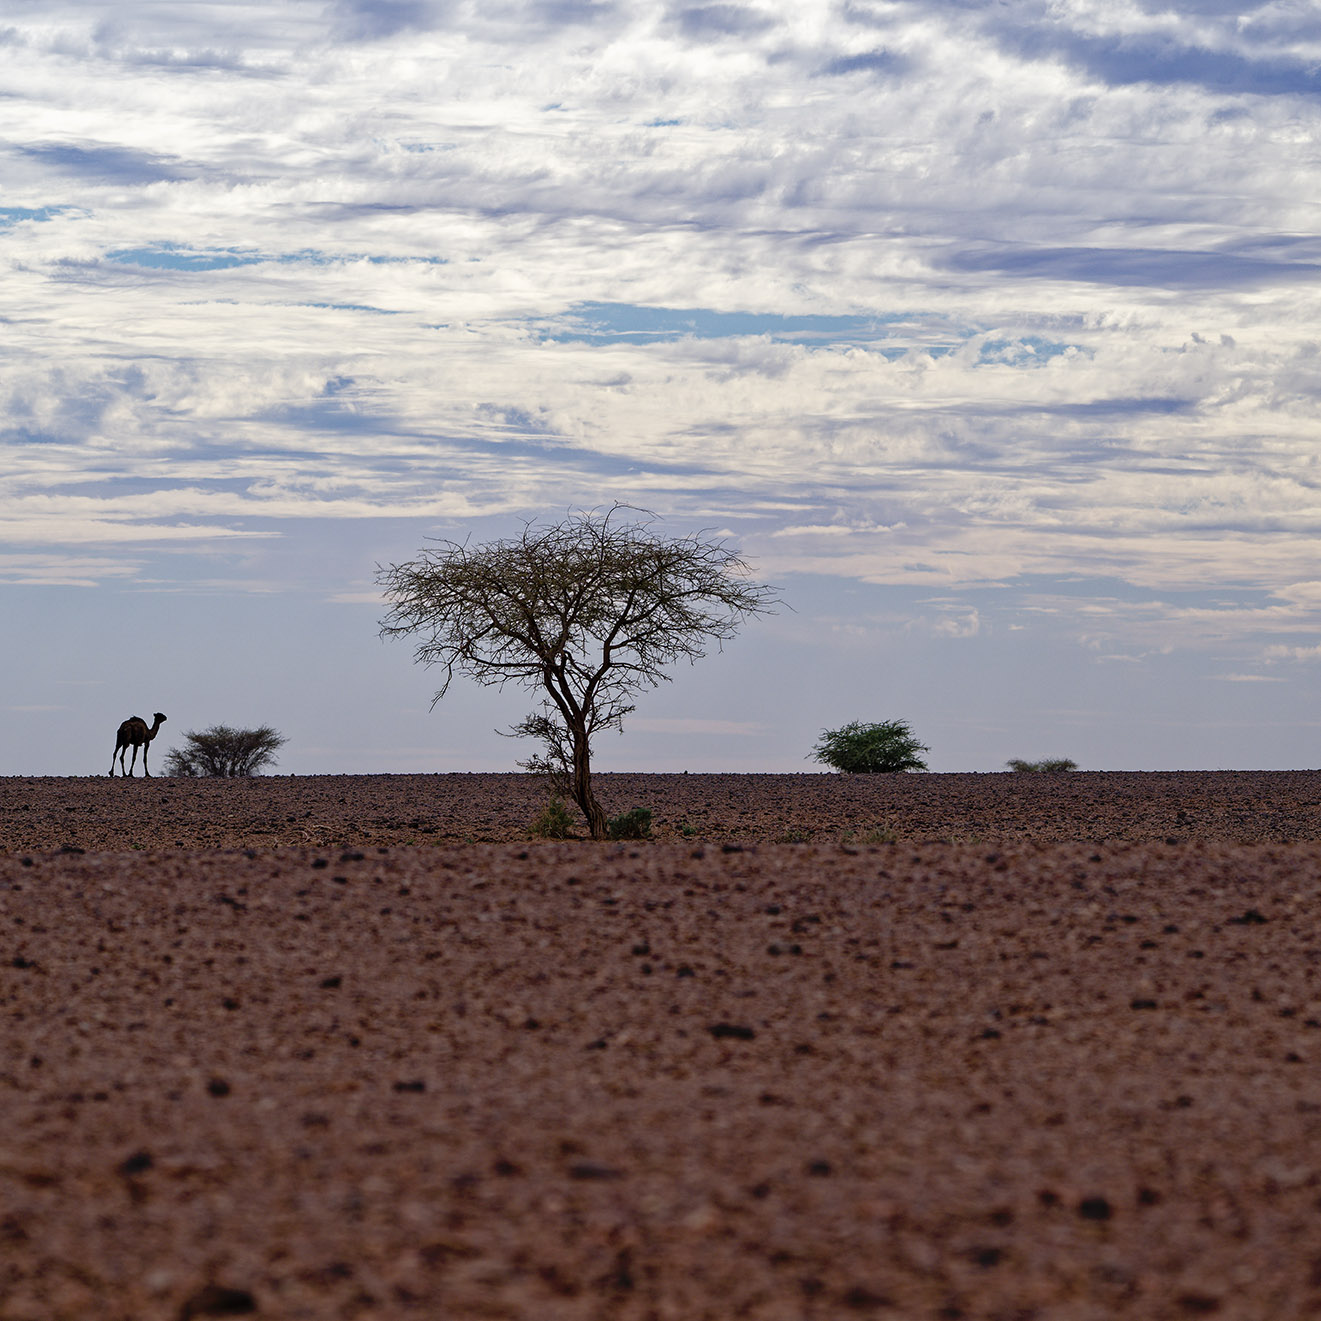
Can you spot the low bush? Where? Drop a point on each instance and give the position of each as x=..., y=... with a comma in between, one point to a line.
x=225, y=752
x=884, y=747
x=633, y=824
x=554, y=822
x=1051, y=766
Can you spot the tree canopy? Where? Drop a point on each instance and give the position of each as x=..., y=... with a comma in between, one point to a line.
x=587, y=611
x=858, y=748
x=222, y=751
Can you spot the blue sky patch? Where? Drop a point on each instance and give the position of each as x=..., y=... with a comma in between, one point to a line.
x=11, y=215
x=176, y=257
x=168, y=257
x=629, y=323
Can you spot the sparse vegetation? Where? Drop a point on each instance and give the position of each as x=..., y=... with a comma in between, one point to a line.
x=882, y=834
x=1051, y=766
x=224, y=752
x=586, y=612
x=555, y=821
x=884, y=747
x=633, y=824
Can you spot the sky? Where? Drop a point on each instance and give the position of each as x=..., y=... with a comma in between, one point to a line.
x=990, y=333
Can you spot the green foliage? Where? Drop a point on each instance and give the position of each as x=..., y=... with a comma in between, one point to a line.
x=555, y=821
x=1051, y=766
x=225, y=752
x=633, y=824
x=858, y=748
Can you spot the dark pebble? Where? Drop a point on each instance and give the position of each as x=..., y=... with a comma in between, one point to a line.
x=217, y=1300
x=138, y=1163
x=736, y=1031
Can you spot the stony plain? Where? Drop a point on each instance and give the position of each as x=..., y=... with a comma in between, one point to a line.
x=946, y=1046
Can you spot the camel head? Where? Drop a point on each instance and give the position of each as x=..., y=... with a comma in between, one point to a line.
x=159, y=719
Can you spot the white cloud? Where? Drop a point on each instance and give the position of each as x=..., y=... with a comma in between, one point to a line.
x=273, y=271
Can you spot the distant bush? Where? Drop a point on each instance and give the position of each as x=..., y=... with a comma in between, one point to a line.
x=633, y=824
x=222, y=751
x=554, y=822
x=1051, y=766
x=887, y=746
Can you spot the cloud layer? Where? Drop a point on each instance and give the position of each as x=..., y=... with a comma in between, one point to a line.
x=966, y=299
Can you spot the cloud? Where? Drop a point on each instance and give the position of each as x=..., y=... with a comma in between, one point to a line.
x=1140, y=267
x=931, y=296
x=107, y=163
x=1125, y=59
x=878, y=61
x=1280, y=652
x=721, y=20
x=375, y=19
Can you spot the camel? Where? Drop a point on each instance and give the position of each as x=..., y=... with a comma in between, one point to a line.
x=133, y=733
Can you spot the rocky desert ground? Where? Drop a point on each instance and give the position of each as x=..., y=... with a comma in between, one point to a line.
x=938, y=1046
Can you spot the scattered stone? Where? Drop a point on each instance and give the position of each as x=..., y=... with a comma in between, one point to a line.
x=218, y=1300
x=735, y=1031
x=590, y=1170
x=138, y=1163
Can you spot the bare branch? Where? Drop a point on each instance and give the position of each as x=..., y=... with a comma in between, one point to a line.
x=587, y=610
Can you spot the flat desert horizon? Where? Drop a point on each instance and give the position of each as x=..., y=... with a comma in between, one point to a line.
x=948, y=1046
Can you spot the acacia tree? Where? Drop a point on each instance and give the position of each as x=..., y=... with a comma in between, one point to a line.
x=222, y=751
x=585, y=611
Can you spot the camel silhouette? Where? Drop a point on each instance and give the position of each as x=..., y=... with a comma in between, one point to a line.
x=133, y=733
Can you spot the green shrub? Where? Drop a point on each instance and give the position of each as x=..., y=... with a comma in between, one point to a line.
x=633, y=824
x=554, y=822
x=222, y=751
x=887, y=746
x=1051, y=766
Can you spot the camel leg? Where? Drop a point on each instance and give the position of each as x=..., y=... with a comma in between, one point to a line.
x=113, y=755
x=145, y=771
x=133, y=761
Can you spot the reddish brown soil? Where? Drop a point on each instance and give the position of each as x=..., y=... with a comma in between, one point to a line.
x=1053, y=1053
x=369, y=810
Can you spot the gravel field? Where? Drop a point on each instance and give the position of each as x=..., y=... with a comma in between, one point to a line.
x=982, y=1046
x=370, y=810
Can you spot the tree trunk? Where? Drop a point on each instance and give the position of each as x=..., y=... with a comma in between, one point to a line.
x=582, y=785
